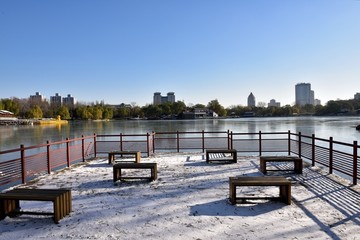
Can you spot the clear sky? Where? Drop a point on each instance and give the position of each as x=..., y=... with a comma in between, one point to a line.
x=122, y=51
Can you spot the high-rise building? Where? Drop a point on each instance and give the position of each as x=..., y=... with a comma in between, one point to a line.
x=37, y=97
x=170, y=97
x=357, y=96
x=56, y=100
x=251, y=100
x=303, y=94
x=158, y=99
x=273, y=103
x=69, y=101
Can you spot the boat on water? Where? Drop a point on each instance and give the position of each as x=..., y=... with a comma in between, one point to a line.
x=44, y=121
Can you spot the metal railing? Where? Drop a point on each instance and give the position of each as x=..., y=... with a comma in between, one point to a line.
x=26, y=163
x=338, y=157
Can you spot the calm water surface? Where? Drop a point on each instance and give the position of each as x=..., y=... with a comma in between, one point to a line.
x=340, y=128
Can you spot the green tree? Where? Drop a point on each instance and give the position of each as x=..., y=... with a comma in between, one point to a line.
x=215, y=106
x=63, y=112
x=152, y=111
x=166, y=109
x=11, y=105
x=35, y=112
x=123, y=112
x=178, y=107
x=83, y=112
x=108, y=113
x=332, y=107
x=136, y=111
x=97, y=112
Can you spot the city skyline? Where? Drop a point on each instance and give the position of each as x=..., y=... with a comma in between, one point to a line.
x=58, y=99
x=123, y=51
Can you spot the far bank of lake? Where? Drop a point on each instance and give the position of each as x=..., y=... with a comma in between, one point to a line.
x=340, y=128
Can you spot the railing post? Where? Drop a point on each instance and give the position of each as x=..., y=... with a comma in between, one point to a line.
x=83, y=148
x=121, y=142
x=203, y=140
x=177, y=141
x=48, y=156
x=260, y=144
x=228, y=139
x=67, y=152
x=355, y=162
x=331, y=155
x=147, y=144
x=23, y=168
x=299, y=144
x=313, y=150
x=95, y=151
x=289, y=142
x=231, y=140
x=153, y=141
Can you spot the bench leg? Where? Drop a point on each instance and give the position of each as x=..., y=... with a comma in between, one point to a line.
x=137, y=157
x=69, y=201
x=298, y=167
x=285, y=194
x=232, y=193
x=57, y=209
x=2, y=209
x=111, y=158
x=153, y=173
x=263, y=167
x=116, y=174
x=9, y=208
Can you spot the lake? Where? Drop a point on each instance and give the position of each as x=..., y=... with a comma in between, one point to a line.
x=340, y=128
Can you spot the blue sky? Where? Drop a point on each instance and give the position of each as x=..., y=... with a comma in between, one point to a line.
x=122, y=51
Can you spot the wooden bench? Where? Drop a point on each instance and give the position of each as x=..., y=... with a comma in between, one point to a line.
x=120, y=166
x=298, y=164
x=283, y=183
x=61, y=198
x=222, y=152
x=136, y=154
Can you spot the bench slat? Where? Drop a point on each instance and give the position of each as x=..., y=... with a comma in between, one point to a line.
x=298, y=165
x=233, y=153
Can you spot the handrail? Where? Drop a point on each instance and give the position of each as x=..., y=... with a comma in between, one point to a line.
x=26, y=162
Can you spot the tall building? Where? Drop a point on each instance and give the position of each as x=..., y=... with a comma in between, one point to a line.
x=56, y=100
x=273, y=103
x=37, y=97
x=69, y=101
x=251, y=100
x=170, y=97
x=357, y=96
x=303, y=94
x=158, y=99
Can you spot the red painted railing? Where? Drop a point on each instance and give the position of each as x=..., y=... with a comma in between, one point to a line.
x=29, y=162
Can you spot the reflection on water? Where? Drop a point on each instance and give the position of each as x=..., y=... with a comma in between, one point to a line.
x=341, y=128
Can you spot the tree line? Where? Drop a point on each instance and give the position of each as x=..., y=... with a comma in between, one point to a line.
x=26, y=108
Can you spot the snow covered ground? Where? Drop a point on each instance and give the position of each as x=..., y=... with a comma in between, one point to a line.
x=189, y=200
